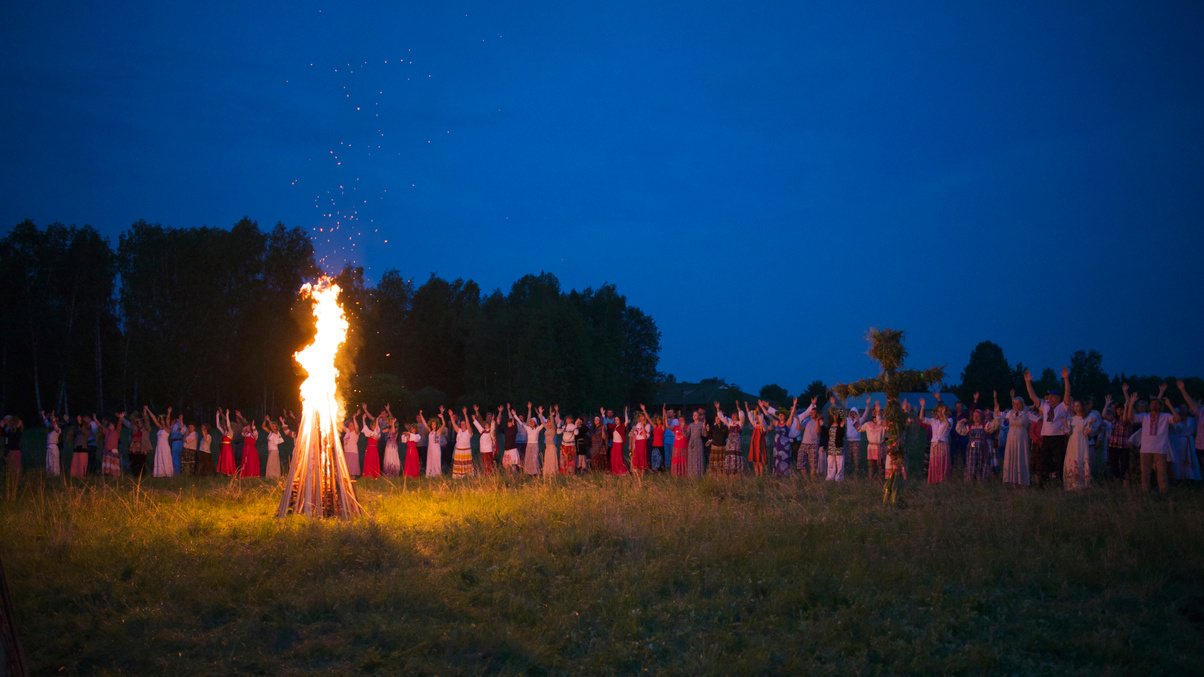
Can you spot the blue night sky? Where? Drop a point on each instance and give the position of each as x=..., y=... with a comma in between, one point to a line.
x=766, y=182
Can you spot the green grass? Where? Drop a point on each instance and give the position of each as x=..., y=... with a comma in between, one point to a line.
x=605, y=576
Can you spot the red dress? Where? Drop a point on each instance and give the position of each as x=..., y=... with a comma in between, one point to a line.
x=372, y=459
x=756, y=449
x=680, y=446
x=250, y=457
x=225, y=459
x=639, y=453
x=617, y=465
x=413, y=466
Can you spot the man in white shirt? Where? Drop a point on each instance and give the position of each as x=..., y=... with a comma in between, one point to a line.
x=1155, y=440
x=1053, y=431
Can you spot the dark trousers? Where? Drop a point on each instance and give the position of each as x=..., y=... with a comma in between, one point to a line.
x=137, y=463
x=1051, y=458
x=93, y=460
x=1118, y=462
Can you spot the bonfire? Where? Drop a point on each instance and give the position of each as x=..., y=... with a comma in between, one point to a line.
x=318, y=482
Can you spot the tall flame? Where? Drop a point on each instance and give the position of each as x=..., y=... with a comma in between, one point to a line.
x=319, y=484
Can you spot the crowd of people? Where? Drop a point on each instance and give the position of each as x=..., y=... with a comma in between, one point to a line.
x=1054, y=439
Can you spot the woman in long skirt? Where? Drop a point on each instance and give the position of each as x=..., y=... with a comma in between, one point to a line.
x=618, y=438
x=372, y=453
x=462, y=455
x=1016, y=449
x=351, y=444
x=551, y=452
x=250, y=454
x=485, y=442
x=656, y=460
x=275, y=439
x=756, y=445
x=510, y=460
x=978, y=456
x=938, y=463
x=681, y=442
x=640, y=432
x=695, y=465
x=567, y=429
x=733, y=460
x=874, y=426
x=110, y=463
x=225, y=457
x=531, y=454
x=1076, y=468
x=391, y=464
x=434, y=444
x=781, y=440
x=188, y=456
x=204, y=457
x=597, y=446
x=53, y=433
x=413, y=467
x=163, y=463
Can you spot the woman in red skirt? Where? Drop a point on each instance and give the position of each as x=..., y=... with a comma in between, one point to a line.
x=250, y=455
x=617, y=439
x=640, y=433
x=372, y=454
x=756, y=447
x=681, y=441
x=413, y=467
x=225, y=458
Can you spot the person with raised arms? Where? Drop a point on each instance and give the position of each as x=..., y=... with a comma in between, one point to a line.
x=1155, y=440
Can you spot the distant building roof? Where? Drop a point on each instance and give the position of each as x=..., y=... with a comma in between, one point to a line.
x=699, y=394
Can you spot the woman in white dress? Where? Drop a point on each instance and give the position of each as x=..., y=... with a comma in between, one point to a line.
x=274, y=440
x=434, y=444
x=1076, y=469
x=164, y=467
x=53, y=433
x=462, y=457
x=1017, y=447
x=551, y=451
x=939, y=467
x=351, y=444
x=531, y=457
x=391, y=464
x=486, y=442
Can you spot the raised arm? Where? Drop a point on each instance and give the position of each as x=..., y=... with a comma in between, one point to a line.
x=1028, y=383
x=1191, y=404
x=1066, y=384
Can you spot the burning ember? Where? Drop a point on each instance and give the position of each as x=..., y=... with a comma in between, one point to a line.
x=318, y=484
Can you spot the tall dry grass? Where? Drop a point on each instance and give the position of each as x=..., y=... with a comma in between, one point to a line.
x=605, y=575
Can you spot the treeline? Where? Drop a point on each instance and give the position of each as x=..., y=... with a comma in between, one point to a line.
x=198, y=318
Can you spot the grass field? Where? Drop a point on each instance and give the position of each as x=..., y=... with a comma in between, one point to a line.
x=605, y=576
